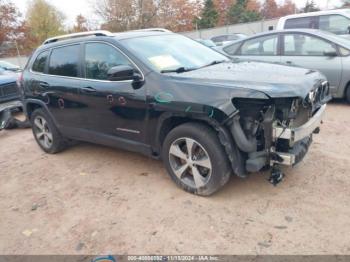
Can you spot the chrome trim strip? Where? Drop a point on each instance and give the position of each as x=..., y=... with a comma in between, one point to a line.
x=128, y=130
x=81, y=34
x=298, y=133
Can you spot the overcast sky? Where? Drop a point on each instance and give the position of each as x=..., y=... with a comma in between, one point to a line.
x=72, y=8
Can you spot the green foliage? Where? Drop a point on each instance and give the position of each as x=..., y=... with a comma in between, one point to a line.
x=238, y=13
x=310, y=6
x=209, y=16
x=44, y=21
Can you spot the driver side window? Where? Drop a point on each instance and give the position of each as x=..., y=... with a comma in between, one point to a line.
x=305, y=45
x=99, y=58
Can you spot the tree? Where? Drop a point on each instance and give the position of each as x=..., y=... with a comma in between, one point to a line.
x=121, y=15
x=12, y=28
x=238, y=13
x=209, y=16
x=44, y=21
x=346, y=4
x=310, y=6
x=222, y=6
x=287, y=8
x=253, y=5
x=177, y=15
x=10, y=23
x=270, y=9
x=81, y=24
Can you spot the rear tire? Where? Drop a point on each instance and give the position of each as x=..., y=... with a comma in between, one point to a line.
x=347, y=94
x=195, y=159
x=46, y=133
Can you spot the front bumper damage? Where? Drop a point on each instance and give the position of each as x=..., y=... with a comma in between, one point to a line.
x=275, y=144
x=299, y=139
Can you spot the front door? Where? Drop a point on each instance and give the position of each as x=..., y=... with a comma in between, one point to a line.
x=313, y=53
x=111, y=108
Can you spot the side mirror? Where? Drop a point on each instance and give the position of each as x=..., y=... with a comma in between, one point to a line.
x=121, y=72
x=330, y=53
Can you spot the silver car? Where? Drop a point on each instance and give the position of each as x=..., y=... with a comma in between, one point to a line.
x=308, y=48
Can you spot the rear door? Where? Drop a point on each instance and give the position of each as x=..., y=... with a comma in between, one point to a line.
x=309, y=51
x=54, y=79
x=264, y=48
x=62, y=84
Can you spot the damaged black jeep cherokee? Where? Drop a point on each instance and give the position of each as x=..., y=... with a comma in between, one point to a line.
x=169, y=97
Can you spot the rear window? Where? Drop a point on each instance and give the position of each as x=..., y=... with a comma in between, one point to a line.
x=64, y=61
x=302, y=22
x=40, y=62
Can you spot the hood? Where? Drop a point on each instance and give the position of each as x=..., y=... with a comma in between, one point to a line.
x=272, y=79
x=7, y=78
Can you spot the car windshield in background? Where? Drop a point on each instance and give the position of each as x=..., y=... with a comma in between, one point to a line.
x=8, y=66
x=173, y=53
x=335, y=38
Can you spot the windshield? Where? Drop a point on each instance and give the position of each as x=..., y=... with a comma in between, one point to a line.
x=341, y=40
x=166, y=53
x=4, y=64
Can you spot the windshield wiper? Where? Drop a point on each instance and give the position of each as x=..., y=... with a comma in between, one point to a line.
x=215, y=62
x=178, y=70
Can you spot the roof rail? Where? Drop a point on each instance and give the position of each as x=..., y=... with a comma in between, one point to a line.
x=76, y=35
x=153, y=29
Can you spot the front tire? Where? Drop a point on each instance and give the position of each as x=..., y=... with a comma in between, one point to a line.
x=195, y=159
x=46, y=133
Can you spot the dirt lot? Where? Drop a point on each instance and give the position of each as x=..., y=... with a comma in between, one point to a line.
x=92, y=199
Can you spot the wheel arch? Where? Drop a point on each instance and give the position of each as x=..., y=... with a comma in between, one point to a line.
x=346, y=90
x=169, y=121
x=30, y=105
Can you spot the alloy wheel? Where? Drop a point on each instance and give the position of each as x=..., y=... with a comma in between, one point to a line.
x=42, y=132
x=190, y=162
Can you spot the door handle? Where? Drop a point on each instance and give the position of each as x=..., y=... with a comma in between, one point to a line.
x=88, y=89
x=44, y=85
x=289, y=62
x=110, y=99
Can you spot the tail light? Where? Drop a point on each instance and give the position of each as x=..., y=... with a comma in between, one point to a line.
x=19, y=79
x=19, y=83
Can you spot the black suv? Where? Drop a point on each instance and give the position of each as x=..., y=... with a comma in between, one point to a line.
x=169, y=97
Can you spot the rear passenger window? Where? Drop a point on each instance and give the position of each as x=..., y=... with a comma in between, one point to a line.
x=264, y=46
x=64, y=61
x=40, y=62
x=232, y=49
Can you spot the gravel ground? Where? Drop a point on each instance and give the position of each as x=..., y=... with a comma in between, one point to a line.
x=91, y=199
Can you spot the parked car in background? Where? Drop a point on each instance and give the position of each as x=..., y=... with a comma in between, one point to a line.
x=9, y=67
x=226, y=39
x=334, y=21
x=206, y=42
x=307, y=48
x=8, y=87
x=172, y=98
